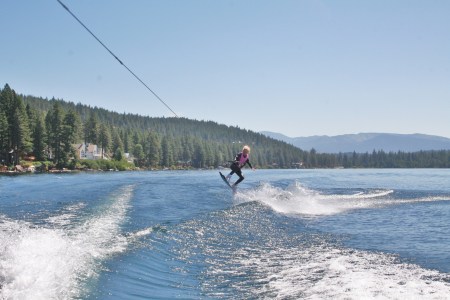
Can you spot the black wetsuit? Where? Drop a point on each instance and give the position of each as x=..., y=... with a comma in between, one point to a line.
x=236, y=167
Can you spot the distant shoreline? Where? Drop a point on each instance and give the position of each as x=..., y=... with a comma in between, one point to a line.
x=67, y=171
x=17, y=173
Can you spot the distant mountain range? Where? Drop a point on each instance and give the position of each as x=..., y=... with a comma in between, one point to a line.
x=366, y=142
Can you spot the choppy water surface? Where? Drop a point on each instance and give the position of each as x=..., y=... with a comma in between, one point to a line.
x=285, y=234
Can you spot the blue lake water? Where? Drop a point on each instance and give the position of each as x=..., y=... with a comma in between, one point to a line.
x=285, y=234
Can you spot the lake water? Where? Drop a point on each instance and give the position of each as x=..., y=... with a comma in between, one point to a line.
x=285, y=234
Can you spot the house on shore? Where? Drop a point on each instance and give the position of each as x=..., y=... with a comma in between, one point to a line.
x=88, y=151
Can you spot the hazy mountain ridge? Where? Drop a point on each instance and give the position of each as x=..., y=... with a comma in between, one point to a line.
x=366, y=142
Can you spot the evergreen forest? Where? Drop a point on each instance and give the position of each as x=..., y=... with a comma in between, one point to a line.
x=44, y=131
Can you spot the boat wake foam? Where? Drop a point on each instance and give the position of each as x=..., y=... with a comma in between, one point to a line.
x=326, y=272
x=63, y=257
x=298, y=200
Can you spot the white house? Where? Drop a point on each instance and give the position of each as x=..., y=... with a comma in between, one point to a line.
x=88, y=151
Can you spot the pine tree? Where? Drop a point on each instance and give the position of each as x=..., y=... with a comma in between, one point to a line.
x=199, y=158
x=91, y=127
x=118, y=154
x=53, y=124
x=116, y=141
x=38, y=136
x=153, y=149
x=69, y=135
x=3, y=137
x=167, y=152
x=6, y=103
x=139, y=155
x=104, y=139
x=20, y=131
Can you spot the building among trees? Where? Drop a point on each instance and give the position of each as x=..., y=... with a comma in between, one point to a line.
x=88, y=151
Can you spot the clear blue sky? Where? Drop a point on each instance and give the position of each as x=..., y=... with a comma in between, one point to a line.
x=301, y=68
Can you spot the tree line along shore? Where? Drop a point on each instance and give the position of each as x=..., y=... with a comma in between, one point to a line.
x=43, y=134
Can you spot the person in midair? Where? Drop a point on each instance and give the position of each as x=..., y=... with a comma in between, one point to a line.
x=241, y=159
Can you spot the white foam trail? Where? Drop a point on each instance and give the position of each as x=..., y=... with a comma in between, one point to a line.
x=66, y=218
x=297, y=199
x=324, y=272
x=143, y=232
x=53, y=263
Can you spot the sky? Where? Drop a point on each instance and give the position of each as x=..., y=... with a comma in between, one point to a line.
x=300, y=68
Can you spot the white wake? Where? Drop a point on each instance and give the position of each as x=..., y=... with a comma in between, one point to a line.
x=54, y=263
x=299, y=200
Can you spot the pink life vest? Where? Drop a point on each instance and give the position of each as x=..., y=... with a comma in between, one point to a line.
x=243, y=160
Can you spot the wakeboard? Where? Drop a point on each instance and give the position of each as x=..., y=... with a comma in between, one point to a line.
x=226, y=181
